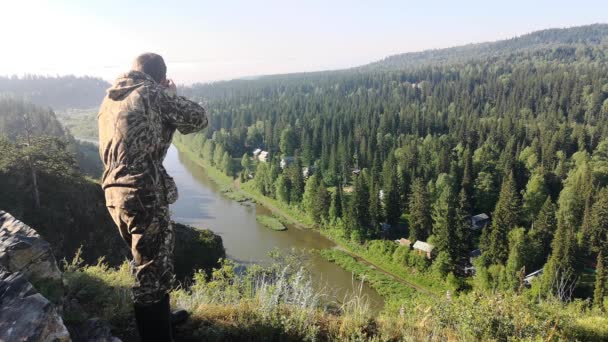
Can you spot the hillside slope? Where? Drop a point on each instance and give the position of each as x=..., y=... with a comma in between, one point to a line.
x=571, y=38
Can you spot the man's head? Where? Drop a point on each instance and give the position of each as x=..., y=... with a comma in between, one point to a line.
x=151, y=64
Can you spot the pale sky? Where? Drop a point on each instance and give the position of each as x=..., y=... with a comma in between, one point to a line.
x=204, y=41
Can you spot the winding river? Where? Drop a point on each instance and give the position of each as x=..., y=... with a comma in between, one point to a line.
x=201, y=204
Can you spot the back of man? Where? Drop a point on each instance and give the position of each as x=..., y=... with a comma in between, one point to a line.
x=137, y=120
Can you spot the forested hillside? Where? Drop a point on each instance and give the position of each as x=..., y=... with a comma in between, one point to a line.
x=520, y=134
x=59, y=93
x=42, y=184
x=535, y=42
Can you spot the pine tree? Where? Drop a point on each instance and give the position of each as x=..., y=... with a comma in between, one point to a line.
x=462, y=232
x=297, y=181
x=335, y=210
x=598, y=234
x=375, y=207
x=321, y=204
x=227, y=165
x=310, y=194
x=246, y=164
x=600, y=283
x=542, y=232
x=392, y=198
x=504, y=218
x=444, y=224
x=282, y=186
x=559, y=272
x=420, y=215
x=359, y=206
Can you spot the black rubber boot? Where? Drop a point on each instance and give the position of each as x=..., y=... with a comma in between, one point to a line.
x=154, y=321
x=179, y=317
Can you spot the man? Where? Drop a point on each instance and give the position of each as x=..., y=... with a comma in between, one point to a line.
x=137, y=119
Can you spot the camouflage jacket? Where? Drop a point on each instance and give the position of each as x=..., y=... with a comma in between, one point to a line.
x=137, y=119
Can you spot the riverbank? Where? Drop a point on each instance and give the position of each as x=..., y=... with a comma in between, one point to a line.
x=401, y=275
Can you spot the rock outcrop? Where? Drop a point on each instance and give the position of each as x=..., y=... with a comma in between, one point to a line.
x=25, y=315
x=23, y=250
x=196, y=249
x=31, y=290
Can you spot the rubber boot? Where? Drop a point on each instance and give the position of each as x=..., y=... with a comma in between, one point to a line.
x=154, y=321
x=179, y=316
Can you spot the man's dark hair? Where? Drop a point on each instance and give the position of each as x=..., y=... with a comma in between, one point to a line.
x=151, y=64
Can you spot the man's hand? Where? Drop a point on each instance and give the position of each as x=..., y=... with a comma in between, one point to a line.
x=170, y=86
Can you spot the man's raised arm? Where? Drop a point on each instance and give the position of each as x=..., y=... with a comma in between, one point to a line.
x=185, y=115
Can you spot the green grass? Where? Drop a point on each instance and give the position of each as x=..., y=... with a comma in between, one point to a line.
x=271, y=222
x=278, y=303
x=422, y=279
x=385, y=285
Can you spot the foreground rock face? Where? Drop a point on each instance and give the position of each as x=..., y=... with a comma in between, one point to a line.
x=25, y=315
x=195, y=249
x=23, y=250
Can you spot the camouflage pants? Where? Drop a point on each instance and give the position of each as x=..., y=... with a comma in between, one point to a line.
x=150, y=236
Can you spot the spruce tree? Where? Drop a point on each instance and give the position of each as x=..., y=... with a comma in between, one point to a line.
x=297, y=181
x=462, y=229
x=321, y=204
x=359, y=206
x=335, y=210
x=504, y=218
x=392, y=198
x=599, y=291
x=598, y=234
x=559, y=272
x=310, y=194
x=420, y=212
x=444, y=224
x=375, y=207
x=542, y=232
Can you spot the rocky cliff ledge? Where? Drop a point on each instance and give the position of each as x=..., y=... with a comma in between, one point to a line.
x=31, y=289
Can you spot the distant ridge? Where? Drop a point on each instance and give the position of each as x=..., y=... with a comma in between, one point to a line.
x=589, y=35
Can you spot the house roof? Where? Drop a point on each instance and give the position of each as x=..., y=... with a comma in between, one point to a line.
x=475, y=253
x=403, y=242
x=479, y=217
x=423, y=246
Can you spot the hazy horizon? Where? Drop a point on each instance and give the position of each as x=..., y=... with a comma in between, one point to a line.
x=209, y=41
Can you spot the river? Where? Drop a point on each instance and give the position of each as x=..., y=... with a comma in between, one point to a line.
x=201, y=204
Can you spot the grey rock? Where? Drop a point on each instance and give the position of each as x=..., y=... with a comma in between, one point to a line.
x=25, y=315
x=23, y=250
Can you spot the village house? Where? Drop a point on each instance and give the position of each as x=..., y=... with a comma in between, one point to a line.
x=263, y=156
x=308, y=171
x=528, y=279
x=256, y=152
x=404, y=242
x=286, y=161
x=424, y=248
x=356, y=172
x=479, y=221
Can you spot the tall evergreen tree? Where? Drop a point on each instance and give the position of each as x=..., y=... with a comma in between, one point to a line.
x=542, y=232
x=420, y=212
x=321, y=204
x=599, y=291
x=310, y=194
x=559, y=273
x=335, y=210
x=444, y=224
x=598, y=234
x=392, y=198
x=359, y=206
x=504, y=218
x=462, y=229
x=297, y=181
